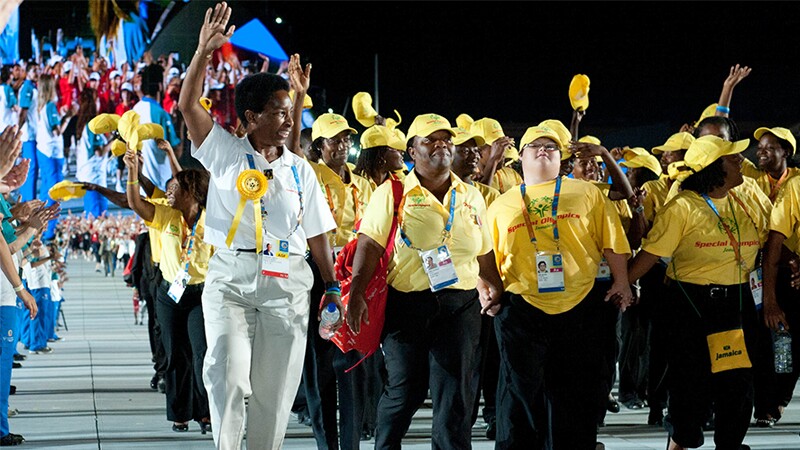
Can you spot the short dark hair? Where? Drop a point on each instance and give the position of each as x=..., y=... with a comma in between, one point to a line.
x=194, y=181
x=707, y=179
x=5, y=73
x=152, y=78
x=254, y=91
x=720, y=121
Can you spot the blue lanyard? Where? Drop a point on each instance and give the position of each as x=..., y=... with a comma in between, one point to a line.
x=554, y=211
x=448, y=226
x=734, y=243
x=301, y=212
x=191, y=241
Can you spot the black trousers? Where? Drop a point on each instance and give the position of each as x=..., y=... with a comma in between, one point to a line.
x=552, y=359
x=488, y=372
x=692, y=386
x=609, y=341
x=430, y=342
x=184, y=337
x=325, y=379
x=775, y=389
x=653, y=303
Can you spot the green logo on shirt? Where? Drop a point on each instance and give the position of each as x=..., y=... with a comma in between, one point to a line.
x=541, y=206
x=730, y=223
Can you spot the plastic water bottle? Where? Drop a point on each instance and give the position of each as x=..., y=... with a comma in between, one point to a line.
x=782, y=344
x=329, y=316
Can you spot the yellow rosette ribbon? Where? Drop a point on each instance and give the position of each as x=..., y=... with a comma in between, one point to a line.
x=252, y=185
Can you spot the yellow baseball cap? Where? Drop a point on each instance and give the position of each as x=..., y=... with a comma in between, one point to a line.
x=329, y=125
x=66, y=190
x=533, y=133
x=463, y=135
x=779, y=132
x=590, y=140
x=678, y=141
x=708, y=112
x=464, y=121
x=579, y=92
x=363, y=110
x=487, y=128
x=307, y=102
x=564, y=135
x=707, y=149
x=381, y=136
x=425, y=124
x=646, y=160
x=511, y=153
x=104, y=123
x=677, y=170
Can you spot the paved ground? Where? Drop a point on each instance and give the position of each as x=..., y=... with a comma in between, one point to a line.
x=92, y=392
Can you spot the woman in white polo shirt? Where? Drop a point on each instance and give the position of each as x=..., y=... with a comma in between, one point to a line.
x=256, y=306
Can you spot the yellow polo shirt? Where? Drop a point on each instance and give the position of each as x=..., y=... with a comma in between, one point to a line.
x=489, y=193
x=158, y=198
x=588, y=223
x=175, y=235
x=656, y=197
x=688, y=231
x=346, y=201
x=399, y=175
x=423, y=220
x=622, y=207
x=505, y=178
x=764, y=180
x=785, y=218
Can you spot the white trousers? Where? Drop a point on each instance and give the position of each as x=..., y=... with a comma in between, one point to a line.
x=256, y=331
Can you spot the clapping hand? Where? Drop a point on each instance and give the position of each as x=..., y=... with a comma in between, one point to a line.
x=10, y=148
x=23, y=211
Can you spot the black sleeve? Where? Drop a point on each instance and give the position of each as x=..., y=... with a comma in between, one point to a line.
x=142, y=251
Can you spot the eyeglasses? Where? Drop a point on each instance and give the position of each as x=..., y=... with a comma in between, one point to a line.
x=338, y=141
x=546, y=147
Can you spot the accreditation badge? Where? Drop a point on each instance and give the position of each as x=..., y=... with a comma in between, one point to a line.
x=757, y=287
x=178, y=285
x=438, y=265
x=604, y=271
x=550, y=272
x=275, y=259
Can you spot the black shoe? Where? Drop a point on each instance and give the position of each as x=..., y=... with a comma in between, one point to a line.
x=16, y=365
x=765, y=423
x=20, y=357
x=11, y=439
x=491, y=430
x=154, y=382
x=180, y=427
x=612, y=405
x=205, y=427
x=12, y=390
x=634, y=404
x=655, y=418
x=709, y=424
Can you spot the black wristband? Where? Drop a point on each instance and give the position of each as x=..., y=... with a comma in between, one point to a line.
x=332, y=284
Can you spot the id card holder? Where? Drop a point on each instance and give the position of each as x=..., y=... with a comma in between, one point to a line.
x=550, y=272
x=604, y=271
x=178, y=285
x=757, y=287
x=275, y=259
x=438, y=265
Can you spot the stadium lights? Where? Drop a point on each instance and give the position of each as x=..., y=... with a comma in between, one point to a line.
x=278, y=20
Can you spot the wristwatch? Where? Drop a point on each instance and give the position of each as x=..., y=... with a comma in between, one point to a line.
x=639, y=209
x=332, y=284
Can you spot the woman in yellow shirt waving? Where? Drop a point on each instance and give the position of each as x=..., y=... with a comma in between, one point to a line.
x=184, y=263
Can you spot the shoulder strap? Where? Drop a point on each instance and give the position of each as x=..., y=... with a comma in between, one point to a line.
x=397, y=193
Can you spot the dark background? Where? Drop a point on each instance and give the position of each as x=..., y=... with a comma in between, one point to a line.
x=653, y=65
